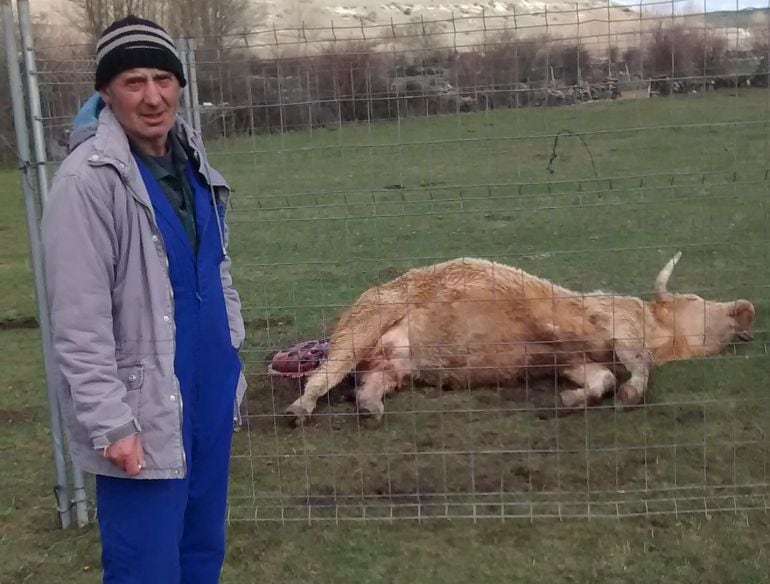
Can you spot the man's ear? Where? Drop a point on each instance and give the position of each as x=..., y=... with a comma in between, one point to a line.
x=106, y=97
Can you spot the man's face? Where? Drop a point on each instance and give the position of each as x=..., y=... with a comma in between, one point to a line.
x=145, y=101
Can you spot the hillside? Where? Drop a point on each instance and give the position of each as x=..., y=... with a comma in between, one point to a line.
x=746, y=18
x=593, y=21
x=305, y=25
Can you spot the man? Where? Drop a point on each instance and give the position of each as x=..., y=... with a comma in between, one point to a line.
x=146, y=323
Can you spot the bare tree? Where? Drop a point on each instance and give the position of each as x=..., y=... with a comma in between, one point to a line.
x=421, y=37
x=214, y=23
x=63, y=83
x=680, y=51
x=210, y=21
x=91, y=17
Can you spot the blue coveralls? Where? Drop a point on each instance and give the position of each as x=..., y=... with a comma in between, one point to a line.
x=173, y=531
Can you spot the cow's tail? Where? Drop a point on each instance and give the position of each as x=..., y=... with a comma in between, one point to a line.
x=355, y=336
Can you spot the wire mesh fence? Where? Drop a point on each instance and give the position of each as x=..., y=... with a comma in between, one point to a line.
x=586, y=146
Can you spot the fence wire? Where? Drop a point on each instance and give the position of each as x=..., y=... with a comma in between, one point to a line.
x=583, y=145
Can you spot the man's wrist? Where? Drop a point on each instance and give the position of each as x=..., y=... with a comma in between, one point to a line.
x=109, y=438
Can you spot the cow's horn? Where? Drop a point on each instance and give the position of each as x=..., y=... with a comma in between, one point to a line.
x=662, y=280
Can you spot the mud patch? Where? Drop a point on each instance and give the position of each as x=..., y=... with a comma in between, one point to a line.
x=682, y=414
x=425, y=443
x=19, y=323
x=265, y=394
x=689, y=415
x=541, y=398
x=394, y=494
x=20, y=415
x=274, y=321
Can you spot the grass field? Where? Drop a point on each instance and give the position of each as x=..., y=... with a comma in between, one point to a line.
x=320, y=215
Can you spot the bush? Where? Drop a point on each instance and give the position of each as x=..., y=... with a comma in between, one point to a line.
x=504, y=62
x=356, y=78
x=679, y=51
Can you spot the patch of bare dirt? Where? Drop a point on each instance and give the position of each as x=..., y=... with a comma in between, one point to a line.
x=20, y=415
x=276, y=321
x=18, y=323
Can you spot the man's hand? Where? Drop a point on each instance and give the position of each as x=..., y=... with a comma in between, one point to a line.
x=127, y=454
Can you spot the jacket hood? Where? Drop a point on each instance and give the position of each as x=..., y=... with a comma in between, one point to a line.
x=86, y=121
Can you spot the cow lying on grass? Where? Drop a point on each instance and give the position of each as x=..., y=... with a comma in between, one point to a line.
x=471, y=322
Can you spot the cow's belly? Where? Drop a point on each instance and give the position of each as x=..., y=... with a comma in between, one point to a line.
x=464, y=344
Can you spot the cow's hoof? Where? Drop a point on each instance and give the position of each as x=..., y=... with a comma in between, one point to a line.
x=372, y=421
x=371, y=412
x=297, y=415
x=572, y=398
x=628, y=396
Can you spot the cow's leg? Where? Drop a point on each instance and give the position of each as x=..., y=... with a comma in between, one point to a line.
x=389, y=373
x=335, y=369
x=376, y=384
x=595, y=381
x=638, y=361
x=317, y=386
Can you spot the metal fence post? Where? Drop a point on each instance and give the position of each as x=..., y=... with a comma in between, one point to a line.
x=183, y=49
x=41, y=158
x=193, y=82
x=25, y=165
x=33, y=97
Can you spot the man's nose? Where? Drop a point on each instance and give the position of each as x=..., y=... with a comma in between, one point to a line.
x=152, y=93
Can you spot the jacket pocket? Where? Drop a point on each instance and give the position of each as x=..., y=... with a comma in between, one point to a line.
x=132, y=377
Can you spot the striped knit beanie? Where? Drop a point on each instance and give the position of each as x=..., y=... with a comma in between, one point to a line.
x=135, y=42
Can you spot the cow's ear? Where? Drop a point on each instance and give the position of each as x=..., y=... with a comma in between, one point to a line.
x=744, y=313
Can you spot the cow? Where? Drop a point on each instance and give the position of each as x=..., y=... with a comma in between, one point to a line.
x=472, y=322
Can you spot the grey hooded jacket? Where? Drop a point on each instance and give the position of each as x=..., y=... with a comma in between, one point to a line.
x=111, y=302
